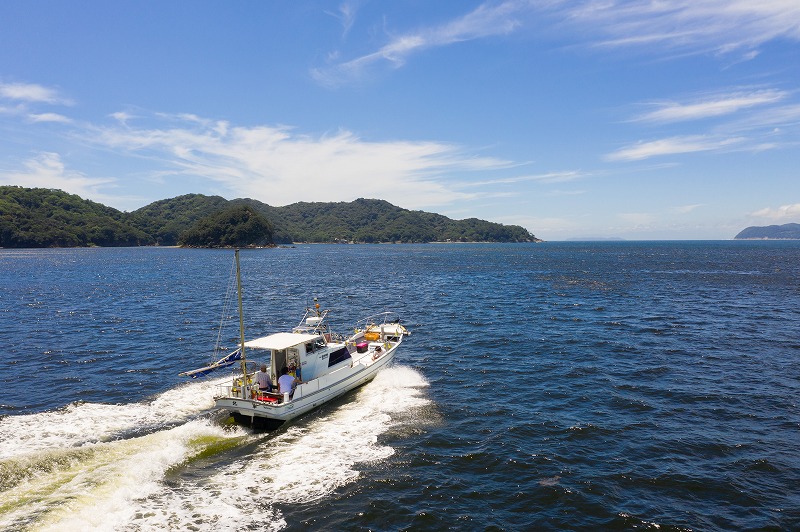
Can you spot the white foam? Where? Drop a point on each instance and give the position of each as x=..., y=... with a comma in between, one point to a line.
x=309, y=461
x=98, y=488
x=303, y=464
x=85, y=423
x=123, y=484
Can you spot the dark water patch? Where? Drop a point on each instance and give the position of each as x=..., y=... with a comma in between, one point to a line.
x=589, y=432
x=762, y=465
x=583, y=371
x=651, y=372
x=635, y=405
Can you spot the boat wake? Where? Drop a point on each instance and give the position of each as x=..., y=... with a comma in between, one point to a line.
x=165, y=464
x=80, y=424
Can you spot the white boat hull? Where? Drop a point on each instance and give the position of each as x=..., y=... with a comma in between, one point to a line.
x=307, y=396
x=311, y=364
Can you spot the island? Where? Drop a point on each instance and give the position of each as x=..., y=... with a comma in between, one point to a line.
x=40, y=217
x=771, y=232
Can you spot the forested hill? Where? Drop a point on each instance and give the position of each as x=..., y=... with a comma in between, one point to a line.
x=40, y=217
x=771, y=232
x=52, y=218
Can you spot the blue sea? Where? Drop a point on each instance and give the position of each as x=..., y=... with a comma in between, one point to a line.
x=553, y=386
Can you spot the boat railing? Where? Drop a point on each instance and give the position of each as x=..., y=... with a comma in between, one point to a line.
x=318, y=325
x=233, y=386
x=378, y=319
x=235, y=391
x=313, y=322
x=229, y=390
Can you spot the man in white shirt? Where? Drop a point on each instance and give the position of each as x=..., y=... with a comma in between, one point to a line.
x=286, y=383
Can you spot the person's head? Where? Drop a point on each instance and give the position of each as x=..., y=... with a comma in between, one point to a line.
x=263, y=368
x=284, y=370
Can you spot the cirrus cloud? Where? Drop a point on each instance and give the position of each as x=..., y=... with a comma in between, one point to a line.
x=718, y=27
x=486, y=20
x=711, y=106
x=693, y=26
x=672, y=146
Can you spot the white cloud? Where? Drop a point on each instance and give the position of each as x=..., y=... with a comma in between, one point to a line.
x=122, y=117
x=31, y=92
x=47, y=170
x=719, y=26
x=559, y=193
x=346, y=16
x=49, y=117
x=672, y=146
x=713, y=106
x=486, y=20
x=12, y=110
x=775, y=117
x=279, y=166
x=550, y=177
x=756, y=120
x=784, y=213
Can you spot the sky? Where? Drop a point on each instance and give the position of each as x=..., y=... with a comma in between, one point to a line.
x=641, y=120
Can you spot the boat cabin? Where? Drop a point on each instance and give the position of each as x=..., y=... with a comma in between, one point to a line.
x=307, y=356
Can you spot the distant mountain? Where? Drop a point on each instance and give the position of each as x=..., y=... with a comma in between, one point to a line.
x=771, y=232
x=52, y=218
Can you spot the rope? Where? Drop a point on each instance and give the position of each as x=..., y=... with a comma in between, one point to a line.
x=226, y=307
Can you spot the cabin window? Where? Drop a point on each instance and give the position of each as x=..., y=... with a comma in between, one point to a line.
x=338, y=356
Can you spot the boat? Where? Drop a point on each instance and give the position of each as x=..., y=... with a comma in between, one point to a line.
x=323, y=365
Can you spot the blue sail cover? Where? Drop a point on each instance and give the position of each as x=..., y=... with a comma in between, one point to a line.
x=223, y=362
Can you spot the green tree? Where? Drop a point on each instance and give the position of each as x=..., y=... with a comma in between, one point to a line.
x=234, y=226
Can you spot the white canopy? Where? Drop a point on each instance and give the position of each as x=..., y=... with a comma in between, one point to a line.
x=282, y=340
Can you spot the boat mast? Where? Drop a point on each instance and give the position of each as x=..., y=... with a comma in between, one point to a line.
x=241, y=326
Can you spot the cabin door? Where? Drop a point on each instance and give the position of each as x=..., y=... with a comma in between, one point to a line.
x=278, y=362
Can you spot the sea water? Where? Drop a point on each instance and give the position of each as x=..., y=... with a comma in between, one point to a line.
x=646, y=385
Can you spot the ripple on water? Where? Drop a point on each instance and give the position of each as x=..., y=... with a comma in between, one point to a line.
x=571, y=385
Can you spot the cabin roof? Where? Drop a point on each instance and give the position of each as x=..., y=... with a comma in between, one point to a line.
x=282, y=340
